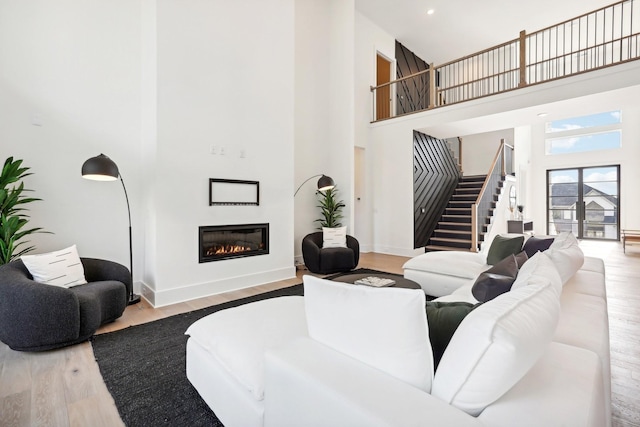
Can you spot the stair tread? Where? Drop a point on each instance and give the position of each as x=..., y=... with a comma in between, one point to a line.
x=454, y=223
x=444, y=230
x=450, y=239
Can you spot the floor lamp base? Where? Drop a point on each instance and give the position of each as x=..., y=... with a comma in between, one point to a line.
x=133, y=299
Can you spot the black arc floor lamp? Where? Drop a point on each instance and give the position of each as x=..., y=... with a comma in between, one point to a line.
x=102, y=168
x=324, y=183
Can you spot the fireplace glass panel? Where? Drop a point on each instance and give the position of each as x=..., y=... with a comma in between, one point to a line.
x=233, y=241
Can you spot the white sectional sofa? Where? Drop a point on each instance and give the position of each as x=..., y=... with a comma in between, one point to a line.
x=537, y=355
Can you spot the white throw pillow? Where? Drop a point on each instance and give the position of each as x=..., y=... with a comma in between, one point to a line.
x=383, y=327
x=566, y=255
x=495, y=346
x=60, y=268
x=538, y=268
x=334, y=237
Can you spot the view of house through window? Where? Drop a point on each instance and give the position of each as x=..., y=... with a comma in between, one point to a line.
x=584, y=201
x=600, y=131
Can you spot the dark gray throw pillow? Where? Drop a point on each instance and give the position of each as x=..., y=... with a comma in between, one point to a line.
x=502, y=247
x=536, y=244
x=521, y=258
x=443, y=319
x=496, y=280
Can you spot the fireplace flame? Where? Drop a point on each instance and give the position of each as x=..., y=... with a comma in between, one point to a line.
x=227, y=249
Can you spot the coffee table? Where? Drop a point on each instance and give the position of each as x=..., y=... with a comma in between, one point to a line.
x=401, y=282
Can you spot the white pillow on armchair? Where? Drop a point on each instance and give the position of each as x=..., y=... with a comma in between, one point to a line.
x=334, y=237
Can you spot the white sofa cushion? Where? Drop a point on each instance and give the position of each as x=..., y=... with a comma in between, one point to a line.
x=566, y=255
x=564, y=388
x=238, y=337
x=459, y=264
x=383, y=327
x=496, y=345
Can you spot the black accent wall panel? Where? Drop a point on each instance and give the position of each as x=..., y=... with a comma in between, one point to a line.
x=435, y=177
x=412, y=94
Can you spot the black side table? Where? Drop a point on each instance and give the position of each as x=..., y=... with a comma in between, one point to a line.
x=401, y=282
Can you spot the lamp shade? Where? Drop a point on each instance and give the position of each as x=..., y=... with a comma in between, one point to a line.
x=100, y=168
x=325, y=183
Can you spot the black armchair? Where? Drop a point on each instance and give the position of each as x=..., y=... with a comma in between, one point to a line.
x=329, y=260
x=38, y=317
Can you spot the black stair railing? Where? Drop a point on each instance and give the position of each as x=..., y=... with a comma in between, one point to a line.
x=481, y=210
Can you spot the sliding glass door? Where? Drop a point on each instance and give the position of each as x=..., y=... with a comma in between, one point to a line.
x=584, y=201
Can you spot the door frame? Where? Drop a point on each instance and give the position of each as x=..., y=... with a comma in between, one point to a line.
x=581, y=211
x=389, y=78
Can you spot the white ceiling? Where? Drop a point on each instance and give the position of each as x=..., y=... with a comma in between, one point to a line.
x=462, y=27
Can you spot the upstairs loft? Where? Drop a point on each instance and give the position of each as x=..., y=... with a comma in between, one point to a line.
x=600, y=39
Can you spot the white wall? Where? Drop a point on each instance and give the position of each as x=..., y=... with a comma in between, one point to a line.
x=70, y=90
x=369, y=40
x=324, y=87
x=523, y=145
x=479, y=150
x=627, y=157
x=222, y=86
x=153, y=85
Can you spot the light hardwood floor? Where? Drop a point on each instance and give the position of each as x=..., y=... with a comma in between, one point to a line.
x=64, y=387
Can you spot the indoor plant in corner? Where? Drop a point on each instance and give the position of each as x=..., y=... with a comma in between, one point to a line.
x=331, y=208
x=13, y=218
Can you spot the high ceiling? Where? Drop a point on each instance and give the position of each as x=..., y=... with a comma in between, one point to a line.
x=461, y=27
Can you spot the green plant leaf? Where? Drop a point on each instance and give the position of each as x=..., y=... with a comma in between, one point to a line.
x=330, y=208
x=13, y=217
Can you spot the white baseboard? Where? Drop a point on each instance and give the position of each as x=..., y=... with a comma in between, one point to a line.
x=200, y=290
x=390, y=250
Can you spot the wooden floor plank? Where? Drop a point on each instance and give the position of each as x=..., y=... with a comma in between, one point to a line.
x=15, y=409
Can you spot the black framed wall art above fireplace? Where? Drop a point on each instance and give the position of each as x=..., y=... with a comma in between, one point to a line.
x=233, y=192
x=218, y=242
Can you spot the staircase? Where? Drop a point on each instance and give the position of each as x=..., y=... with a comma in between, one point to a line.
x=453, y=232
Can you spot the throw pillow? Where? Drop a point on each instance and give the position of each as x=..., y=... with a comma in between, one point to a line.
x=538, y=269
x=502, y=247
x=496, y=280
x=60, y=268
x=443, y=319
x=383, y=327
x=536, y=244
x=495, y=346
x=566, y=255
x=521, y=258
x=334, y=237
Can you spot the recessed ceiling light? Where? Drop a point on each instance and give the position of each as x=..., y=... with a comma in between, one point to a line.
x=430, y=12
x=543, y=115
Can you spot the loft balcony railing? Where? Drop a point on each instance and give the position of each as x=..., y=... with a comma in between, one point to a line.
x=602, y=38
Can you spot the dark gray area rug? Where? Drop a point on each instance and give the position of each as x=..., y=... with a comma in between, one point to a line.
x=144, y=367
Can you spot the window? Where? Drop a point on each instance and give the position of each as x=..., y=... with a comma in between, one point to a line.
x=584, y=201
x=587, y=133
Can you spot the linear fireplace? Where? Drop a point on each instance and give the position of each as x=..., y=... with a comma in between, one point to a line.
x=219, y=242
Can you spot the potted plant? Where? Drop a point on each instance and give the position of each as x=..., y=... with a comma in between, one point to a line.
x=13, y=218
x=331, y=208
